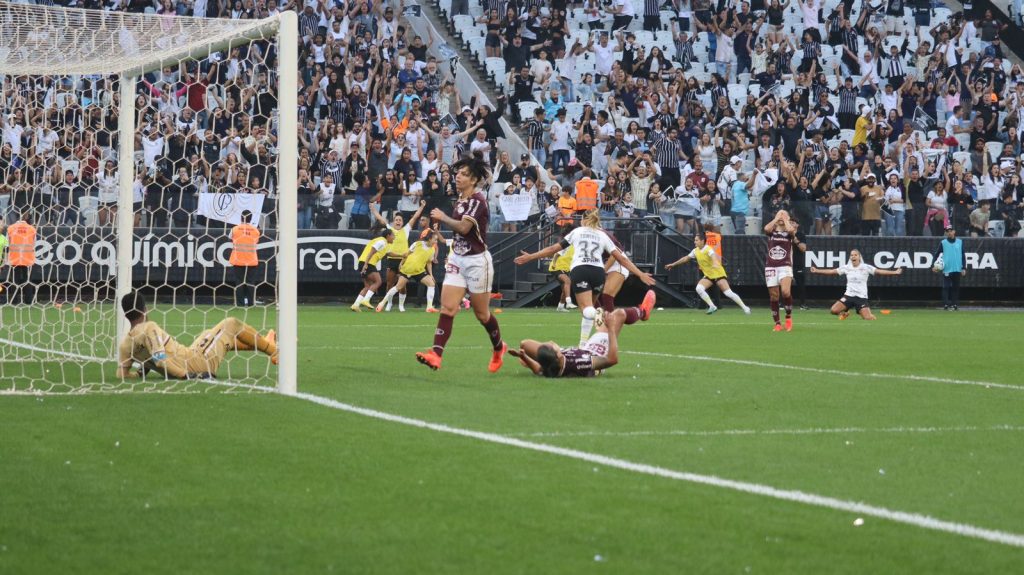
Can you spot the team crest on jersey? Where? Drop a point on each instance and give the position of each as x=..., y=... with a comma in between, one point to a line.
x=777, y=253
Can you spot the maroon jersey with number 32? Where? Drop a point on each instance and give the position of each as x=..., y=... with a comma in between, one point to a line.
x=780, y=250
x=475, y=241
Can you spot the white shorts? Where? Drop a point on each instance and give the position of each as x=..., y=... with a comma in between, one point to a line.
x=473, y=273
x=772, y=276
x=617, y=267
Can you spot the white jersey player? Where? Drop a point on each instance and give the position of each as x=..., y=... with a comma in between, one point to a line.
x=856, y=296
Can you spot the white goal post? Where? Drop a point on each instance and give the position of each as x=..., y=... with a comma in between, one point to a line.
x=51, y=41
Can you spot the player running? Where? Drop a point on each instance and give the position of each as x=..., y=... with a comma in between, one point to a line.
x=369, y=267
x=469, y=266
x=587, y=272
x=415, y=266
x=714, y=273
x=148, y=344
x=598, y=353
x=778, y=266
x=856, y=295
x=559, y=267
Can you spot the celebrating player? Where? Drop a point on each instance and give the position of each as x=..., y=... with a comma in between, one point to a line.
x=416, y=266
x=615, y=277
x=599, y=352
x=587, y=272
x=369, y=267
x=469, y=266
x=398, y=248
x=148, y=344
x=714, y=273
x=856, y=295
x=778, y=266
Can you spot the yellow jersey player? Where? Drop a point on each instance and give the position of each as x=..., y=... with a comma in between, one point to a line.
x=152, y=347
x=369, y=266
x=416, y=266
x=714, y=273
x=559, y=268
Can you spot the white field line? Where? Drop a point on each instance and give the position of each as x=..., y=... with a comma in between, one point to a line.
x=859, y=374
x=66, y=354
x=747, y=432
x=700, y=324
x=795, y=496
x=856, y=507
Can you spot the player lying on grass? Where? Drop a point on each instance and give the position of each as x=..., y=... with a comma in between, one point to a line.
x=148, y=344
x=599, y=352
x=714, y=274
x=856, y=295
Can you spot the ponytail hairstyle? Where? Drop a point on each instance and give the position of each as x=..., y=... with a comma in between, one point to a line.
x=477, y=169
x=592, y=219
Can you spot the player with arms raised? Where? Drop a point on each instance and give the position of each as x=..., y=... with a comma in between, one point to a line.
x=148, y=344
x=778, y=266
x=714, y=273
x=856, y=295
x=469, y=266
x=587, y=272
x=598, y=353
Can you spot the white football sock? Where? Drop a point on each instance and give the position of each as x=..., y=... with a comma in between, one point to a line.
x=401, y=300
x=703, y=293
x=587, y=323
x=369, y=296
x=734, y=297
x=568, y=300
x=359, y=299
x=430, y=296
x=390, y=295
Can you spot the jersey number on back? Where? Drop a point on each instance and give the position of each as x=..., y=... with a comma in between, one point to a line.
x=590, y=250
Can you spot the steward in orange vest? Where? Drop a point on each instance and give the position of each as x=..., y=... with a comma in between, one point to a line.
x=586, y=195
x=21, y=257
x=244, y=260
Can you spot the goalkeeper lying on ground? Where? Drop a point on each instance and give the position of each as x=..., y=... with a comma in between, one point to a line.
x=148, y=344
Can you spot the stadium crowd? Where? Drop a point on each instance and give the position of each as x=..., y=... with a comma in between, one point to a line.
x=884, y=117
x=876, y=119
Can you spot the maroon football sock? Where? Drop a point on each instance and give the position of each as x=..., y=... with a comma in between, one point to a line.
x=443, y=332
x=775, y=310
x=493, y=331
x=788, y=302
x=632, y=315
x=607, y=302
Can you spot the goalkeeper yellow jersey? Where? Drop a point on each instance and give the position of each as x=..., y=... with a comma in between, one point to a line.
x=706, y=262
x=562, y=261
x=381, y=245
x=420, y=254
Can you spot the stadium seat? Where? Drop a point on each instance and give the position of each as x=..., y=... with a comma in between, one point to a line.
x=87, y=206
x=964, y=158
x=994, y=149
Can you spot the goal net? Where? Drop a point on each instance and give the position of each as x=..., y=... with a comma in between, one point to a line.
x=133, y=144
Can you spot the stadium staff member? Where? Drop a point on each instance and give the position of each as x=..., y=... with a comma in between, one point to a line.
x=586, y=195
x=22, y=256
x=954, y=267
x=244, y=260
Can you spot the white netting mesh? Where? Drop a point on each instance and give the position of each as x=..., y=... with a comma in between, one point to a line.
x=205, y=144
x=39, y=39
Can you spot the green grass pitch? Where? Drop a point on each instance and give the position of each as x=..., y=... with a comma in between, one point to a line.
x=260, y=483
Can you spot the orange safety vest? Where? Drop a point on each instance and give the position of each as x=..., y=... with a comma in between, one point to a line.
x=566, y=207
x=23, y=244
x=714, y=239
x=586, y=195
x=244, y=238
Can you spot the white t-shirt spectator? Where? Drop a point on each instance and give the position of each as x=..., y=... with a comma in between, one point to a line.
x=151, y=149
x=856, y=279
x=937, y=202
x=12, y=136
x=483, y=147
x=604, y=58
x=325, y=196
x=624, y=8
x=46, y=141
x=411, y=202
x=560, y=135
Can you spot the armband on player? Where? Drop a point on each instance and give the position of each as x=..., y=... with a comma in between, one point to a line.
x=159, y=356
